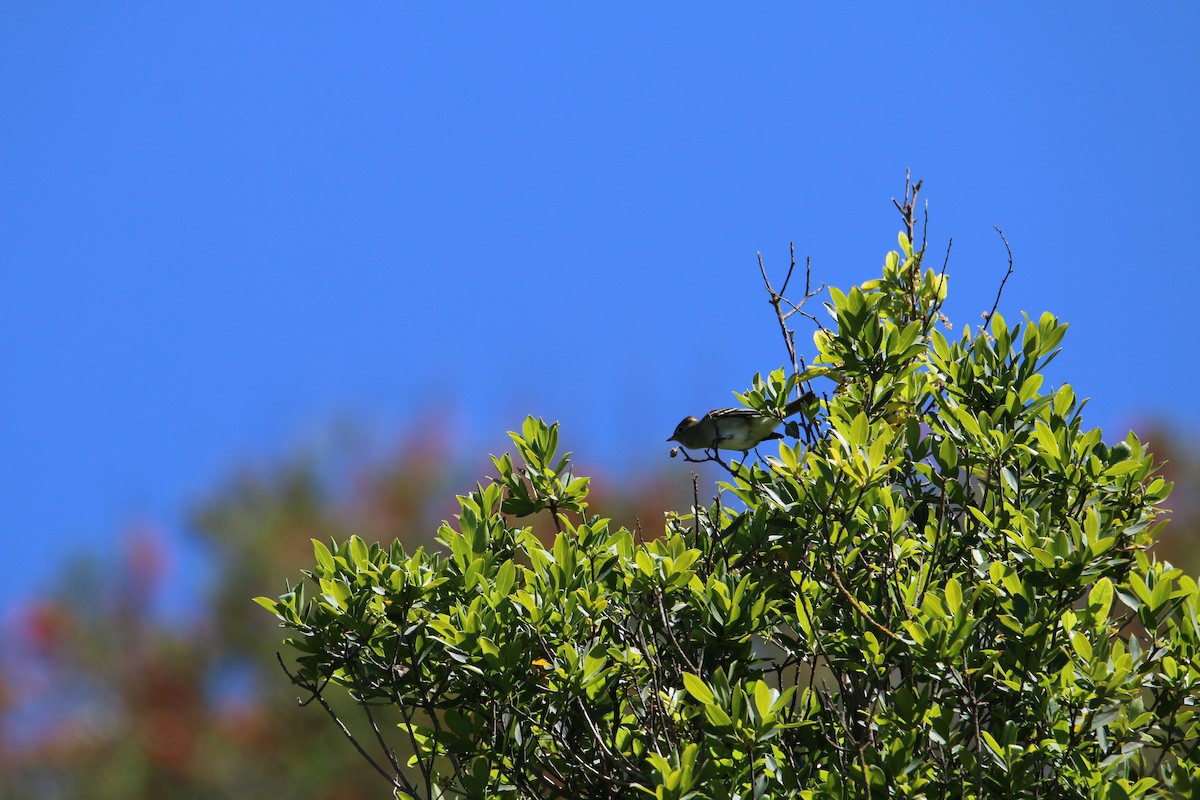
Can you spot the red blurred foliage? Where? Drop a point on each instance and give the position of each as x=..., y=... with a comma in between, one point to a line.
x=167, y=710
x=146, y=555
x=44, y=626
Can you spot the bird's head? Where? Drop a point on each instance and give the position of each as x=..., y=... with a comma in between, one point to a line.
x=684, y=425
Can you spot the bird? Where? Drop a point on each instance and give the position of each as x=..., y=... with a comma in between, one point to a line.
x=734, y=428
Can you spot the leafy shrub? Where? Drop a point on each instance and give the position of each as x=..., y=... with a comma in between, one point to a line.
x=939, y=586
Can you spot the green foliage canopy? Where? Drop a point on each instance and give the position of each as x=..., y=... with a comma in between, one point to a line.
x=939, y=586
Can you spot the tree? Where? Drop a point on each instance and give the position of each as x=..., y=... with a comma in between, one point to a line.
x=940, y=585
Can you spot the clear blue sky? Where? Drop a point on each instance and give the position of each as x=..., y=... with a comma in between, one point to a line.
x=223, y=225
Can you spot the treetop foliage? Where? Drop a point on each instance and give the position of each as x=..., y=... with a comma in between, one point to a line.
x=938, y=586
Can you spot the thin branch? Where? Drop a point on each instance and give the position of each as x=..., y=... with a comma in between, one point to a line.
x=775, y=301
x=936, y=305
x=383, y=745
x=988, y=317
x=397, y=782
x=778, y=300
x=552, y=507
x=859, y=607
x=791, y=269
x=910, y=202
x=907, y=211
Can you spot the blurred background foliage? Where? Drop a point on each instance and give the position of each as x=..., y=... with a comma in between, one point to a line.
x=101, y=697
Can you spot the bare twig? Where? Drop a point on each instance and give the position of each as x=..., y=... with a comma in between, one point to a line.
x=907, y=210
x=778, y=301
x=988, y=317
x=397, y=781
x=936, y=305
x=383, y=745
x=910, y=202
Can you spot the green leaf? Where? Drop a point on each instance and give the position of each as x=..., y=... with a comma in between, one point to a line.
x=1100, y=601
x=954, y=596
x=763, y=699
x=505, y=578
x=819, y=372
x=1161, y=593
x=941, y=348
x=697, y=688
x=359, y=555
x=1081, y=645
x=982, y=517
x=859, y=429
x=802, y=617
x=1064, y=399
x=717, y=716
x=993, y=745
x=1123, y=468
x=269, y=603
x=999, y=327
x=1047, y=441
x=324, y=557
x=488, y=647
x=916, y=631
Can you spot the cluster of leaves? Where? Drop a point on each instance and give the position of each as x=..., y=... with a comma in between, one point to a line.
x=939, y=586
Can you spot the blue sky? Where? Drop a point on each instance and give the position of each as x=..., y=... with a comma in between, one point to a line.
x=225, y=226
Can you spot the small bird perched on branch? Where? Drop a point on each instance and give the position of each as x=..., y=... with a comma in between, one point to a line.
x=734, y=428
